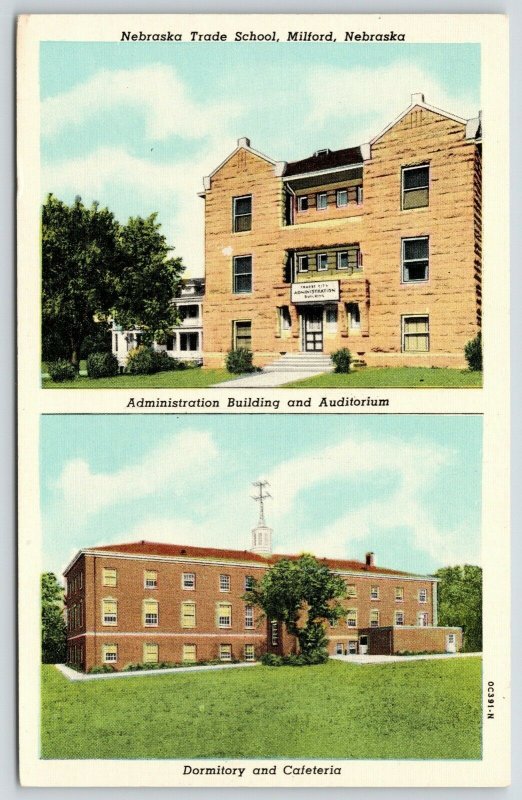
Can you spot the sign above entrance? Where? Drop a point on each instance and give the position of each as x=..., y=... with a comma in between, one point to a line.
x=319, y=292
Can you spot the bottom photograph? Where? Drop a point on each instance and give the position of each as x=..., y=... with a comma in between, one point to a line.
x=261, y=586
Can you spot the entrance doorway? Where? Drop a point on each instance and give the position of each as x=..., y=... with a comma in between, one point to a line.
x=363, y=645
x=313, y=330
x=451, y=643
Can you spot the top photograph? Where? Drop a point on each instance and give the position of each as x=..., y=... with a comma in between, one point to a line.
x=260, y=214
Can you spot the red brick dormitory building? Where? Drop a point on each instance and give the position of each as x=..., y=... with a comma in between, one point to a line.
x=148, y=602
x=376, y=247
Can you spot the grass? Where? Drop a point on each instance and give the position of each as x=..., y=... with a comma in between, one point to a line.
x=415, y=710
x=393, y=378
x=194, y=378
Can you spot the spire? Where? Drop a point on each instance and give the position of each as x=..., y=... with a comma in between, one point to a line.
x=262, y=534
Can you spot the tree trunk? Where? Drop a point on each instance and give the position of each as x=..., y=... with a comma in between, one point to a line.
x=75, y=354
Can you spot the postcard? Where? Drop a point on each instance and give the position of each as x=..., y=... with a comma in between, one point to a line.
x=264, y=400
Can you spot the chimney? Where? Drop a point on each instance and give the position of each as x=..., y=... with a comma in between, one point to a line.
x=370, y=559
x=243, y=142
x=418, y=97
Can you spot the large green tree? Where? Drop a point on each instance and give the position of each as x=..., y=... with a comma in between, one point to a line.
x=460, y=602
x=303, y=594
x=54, y=632
x=94, y=269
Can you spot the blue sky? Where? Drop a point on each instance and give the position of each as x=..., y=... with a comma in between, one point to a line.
x=136, y=126
x=406, y=486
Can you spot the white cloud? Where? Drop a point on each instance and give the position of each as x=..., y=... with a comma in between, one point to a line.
x=156, y=91
x=173, y=463
x=366, y=99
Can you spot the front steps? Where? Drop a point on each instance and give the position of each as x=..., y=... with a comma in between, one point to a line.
x=314, y=363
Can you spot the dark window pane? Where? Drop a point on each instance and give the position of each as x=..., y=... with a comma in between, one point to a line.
x=416, y=271
x=243, y=223
x=244, y=205
x=415, y=249
x=243, y=274
x=416, y=178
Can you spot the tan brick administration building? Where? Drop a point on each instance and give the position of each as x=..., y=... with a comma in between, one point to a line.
x=147, y=602
x=376, y=248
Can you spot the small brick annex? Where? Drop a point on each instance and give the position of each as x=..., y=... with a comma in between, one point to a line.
x=147, y=602
x=376, y=248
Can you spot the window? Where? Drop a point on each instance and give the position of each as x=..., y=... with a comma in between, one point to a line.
x=242, y=274
x=188, y=615
x=150, y=612
x=242, y=334
x=350, y=259
x=422, y=619
x=374, y=593
x=351, y=618
x=351, y=590
x=423, y=595
x=358, y=195
x=249, y=616
x=352, y=648
x=249, y=583
x=302, y=203
x=151, y=579
x=150, y=653
x=322, y=261
x=189, y=312
x=285, y=322
x=188, y=580
x=342, y=197
x=225, y=652
x=415, y=187
x=189, y=342
x=109, y=577
x=354, y=317
x=80, y=578
x=224, y=615
x=224, y=583
x=249, y=652
x=171, y=342
x=339, y=649
x=274, y=633
x=303, y=263
x=399, y=617
x=374, y=619
x=330, y=316
x=399, y=594
x=80, y=617
x=321, y=201
x=109, y=611
x=415, y=334
x=110, y=653
x=189, y=653
x=415, y=259
x=242, y=213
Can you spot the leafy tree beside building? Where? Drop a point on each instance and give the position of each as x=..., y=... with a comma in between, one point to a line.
x=460, y=602
x=54, y=632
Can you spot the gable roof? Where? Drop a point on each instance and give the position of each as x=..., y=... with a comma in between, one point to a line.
x=417, y=101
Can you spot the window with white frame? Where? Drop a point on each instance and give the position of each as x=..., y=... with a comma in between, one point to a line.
x=249, y=583
x=225, y=652
x=302, y=203
x=224, y=615
x=274, y=633
x=150, y=612
x=399, y=594
x=321, y=201
x=150, y=653
x=188, y=615
x=109, y=577
x=330, y=316
x=188, y=580
x=110, y=653
x=322, y=262
x=354, y=317
x=415, y=259
x=249, y=616
x=374, y=618
x=416, y=334
x=285, y=322
x=189, y=653
x=423, y=595
x=242, y=334
x=151, y=579
x=351, y=590
x=339, y=649
x=415, y=186
x=303, y=263
x=249, y=652
x=189, y=342
x=224, y=583
x=242, y=213
x=422, y=619
x=351, y=618
x=242, y=274
x=109, y=611
x=342, y=197
x=374, y=593
x=399, y=617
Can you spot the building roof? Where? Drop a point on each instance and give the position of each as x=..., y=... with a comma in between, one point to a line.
x=324, y=160
x=144, y=548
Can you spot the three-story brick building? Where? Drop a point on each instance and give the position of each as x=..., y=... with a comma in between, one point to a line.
x=376, y=247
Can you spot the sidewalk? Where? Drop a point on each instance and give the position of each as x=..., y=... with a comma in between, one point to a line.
x=73, y=675
x=265, y=379
x=366, y=659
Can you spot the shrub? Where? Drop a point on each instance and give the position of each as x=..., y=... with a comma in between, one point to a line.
x=98, y=670
x=141, y=361
x=61, y=370
x=473, y=353
x=342, y=359
x=165, y=363
x=271, y=660
x=239, y=361
x=102, y=365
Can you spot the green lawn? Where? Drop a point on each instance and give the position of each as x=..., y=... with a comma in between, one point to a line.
x=183, y=379
x=393, y=378
x=416, y=710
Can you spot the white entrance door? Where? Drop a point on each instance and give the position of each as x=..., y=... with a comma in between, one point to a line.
x=363, y=645
x=451, y=643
